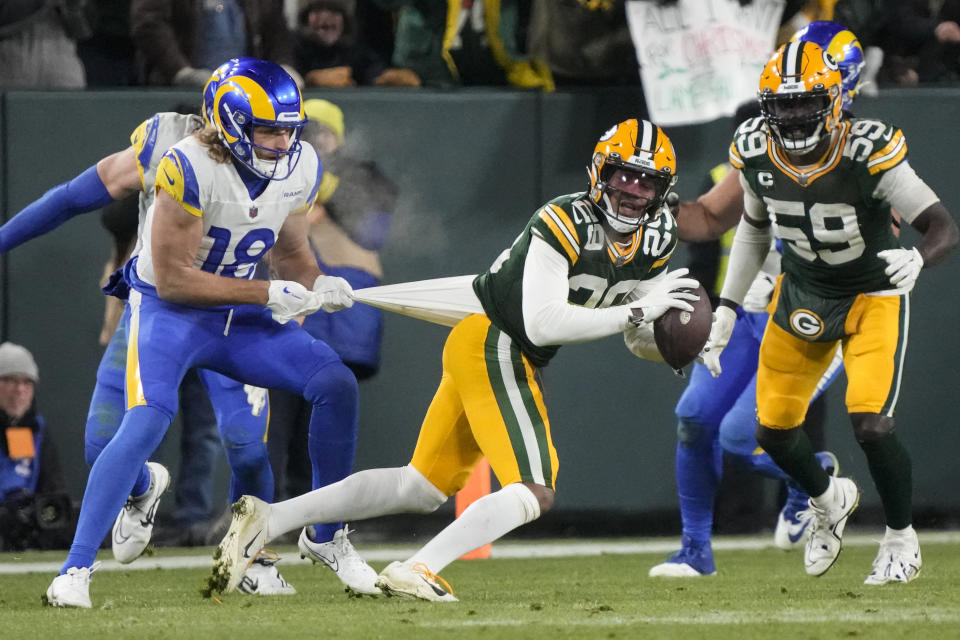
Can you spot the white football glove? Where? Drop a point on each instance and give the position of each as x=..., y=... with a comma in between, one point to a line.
x=723, y=320
x=335, y=293
x=256, y=398
x=665, y=294
x=903, y=267
x=288, y=299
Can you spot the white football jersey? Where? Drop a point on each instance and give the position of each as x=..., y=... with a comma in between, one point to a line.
x=150, y=140
x=237, y=229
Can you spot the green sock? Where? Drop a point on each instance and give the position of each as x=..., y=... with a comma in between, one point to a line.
x=890, y=467
x=794, y=454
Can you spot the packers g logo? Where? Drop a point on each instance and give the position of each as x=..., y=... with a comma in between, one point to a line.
x=806, y=323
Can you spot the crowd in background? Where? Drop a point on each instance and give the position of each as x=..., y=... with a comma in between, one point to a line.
x=340, y=43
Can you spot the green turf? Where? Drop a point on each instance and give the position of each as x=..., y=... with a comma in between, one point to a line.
x=757, y=594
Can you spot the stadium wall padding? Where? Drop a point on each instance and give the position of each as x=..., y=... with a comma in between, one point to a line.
x=472, y=166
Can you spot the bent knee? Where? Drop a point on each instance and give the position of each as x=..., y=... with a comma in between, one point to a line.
x=691, y=432
x=544, y=495
x=767, y=437
x=870, y=427
x=417, y=493
x=335, y=381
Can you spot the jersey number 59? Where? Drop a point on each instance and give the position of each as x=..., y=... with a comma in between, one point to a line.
x=833, y=227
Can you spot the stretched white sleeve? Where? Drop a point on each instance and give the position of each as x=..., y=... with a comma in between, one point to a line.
x=444, y=301
x=547, y=316
x=750, y=247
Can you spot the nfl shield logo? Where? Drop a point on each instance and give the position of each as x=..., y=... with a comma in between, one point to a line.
x=253, y=212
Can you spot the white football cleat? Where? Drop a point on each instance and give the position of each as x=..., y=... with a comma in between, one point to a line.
x=414, y=581
x=898, y=559
x=72, y=589
x=792, y=530
x=827, y=524
x=263, y=578
x=341, y=558
x=134, y=524
x=244, y=539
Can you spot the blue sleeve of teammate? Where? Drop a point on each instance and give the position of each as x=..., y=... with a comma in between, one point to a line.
x=84, y=193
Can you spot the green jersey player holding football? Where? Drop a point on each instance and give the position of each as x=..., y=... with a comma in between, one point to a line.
x=586, y=265
x=825, y=185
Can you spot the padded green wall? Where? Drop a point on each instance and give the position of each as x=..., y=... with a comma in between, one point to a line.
x=472, y=167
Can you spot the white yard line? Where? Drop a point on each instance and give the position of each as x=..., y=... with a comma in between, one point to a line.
x=532, y=549
x=799, y=616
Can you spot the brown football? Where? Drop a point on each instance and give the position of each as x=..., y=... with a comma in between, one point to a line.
x=680, y=335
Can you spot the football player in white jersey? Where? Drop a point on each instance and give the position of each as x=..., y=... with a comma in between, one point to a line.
x=242, y=427
x=219, y=207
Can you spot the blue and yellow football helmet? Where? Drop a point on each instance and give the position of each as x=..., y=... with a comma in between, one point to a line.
x=845, y=49
x=259, y=93
x=210, y=89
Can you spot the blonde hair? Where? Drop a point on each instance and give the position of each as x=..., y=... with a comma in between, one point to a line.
x=210, y=138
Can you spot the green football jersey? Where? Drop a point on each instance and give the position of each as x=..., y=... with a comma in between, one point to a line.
x=601, y=273
x=829, y=221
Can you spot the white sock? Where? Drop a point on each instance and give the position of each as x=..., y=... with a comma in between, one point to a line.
x=365, y=494
x=484, y=521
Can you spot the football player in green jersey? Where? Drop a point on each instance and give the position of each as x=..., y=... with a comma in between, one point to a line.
x=586, y=265
x=824, y=185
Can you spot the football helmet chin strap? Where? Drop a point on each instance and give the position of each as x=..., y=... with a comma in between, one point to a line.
x=267, y=168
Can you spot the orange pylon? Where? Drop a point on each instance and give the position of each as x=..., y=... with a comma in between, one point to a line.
x=477, y=486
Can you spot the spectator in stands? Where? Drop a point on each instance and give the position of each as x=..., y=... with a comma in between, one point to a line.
x=108, y=55
x=584, y=42
x=465, y=43
x=328, y=53
x=35, y=510
x=180, y=42
x=348, y=227
x=920, y=41
x=37, y=44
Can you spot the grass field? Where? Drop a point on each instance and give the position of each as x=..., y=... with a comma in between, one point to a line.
x=759, y=592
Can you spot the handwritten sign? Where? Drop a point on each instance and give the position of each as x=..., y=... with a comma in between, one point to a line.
x=700, y=59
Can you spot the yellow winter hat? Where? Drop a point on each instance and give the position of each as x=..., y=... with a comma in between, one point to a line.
x=326, y=113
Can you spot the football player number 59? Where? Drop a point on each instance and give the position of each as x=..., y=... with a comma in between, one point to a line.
x=832, y=224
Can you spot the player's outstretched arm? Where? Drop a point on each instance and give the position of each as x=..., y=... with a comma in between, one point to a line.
x=939, y=237
x=713, y=213
x=550, y=319
x=112, y=178
x=940, y=233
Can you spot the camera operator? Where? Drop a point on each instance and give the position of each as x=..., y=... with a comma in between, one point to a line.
x=35, y=511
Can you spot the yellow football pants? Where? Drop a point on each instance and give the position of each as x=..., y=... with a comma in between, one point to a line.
x=488, y=404
x=873, y=352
